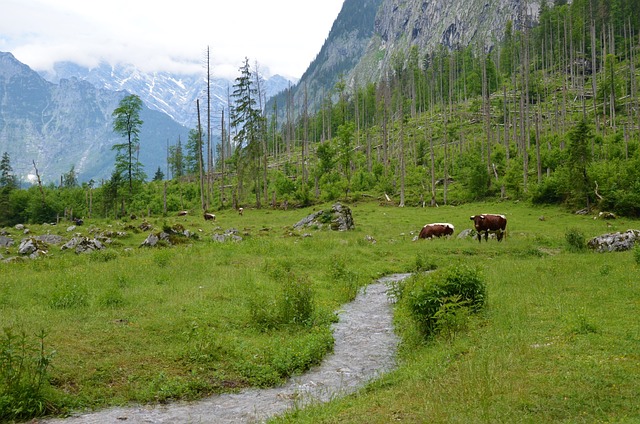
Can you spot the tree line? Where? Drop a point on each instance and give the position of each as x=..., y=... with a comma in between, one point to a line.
x=549, y=114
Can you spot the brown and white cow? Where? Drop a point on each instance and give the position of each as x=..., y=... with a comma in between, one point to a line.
x=437, y=229
x=209, y=216
x=490, y=223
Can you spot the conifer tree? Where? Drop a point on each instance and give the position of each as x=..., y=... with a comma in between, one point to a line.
x=127, y=124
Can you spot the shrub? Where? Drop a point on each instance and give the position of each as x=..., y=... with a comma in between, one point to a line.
x=423, y=263
x=296, y=302
x=293, y=305
x=636, y=253
x=23, y=377
x=303, y=353
x=68, y=295
x=435, y=299
x=339, y=273
x=452, y=317
x=112, y=298
x=575, y=240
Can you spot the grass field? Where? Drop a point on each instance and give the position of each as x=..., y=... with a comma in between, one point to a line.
x=558, y=341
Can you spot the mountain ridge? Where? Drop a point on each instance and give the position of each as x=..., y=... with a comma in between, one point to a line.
x=65, y=125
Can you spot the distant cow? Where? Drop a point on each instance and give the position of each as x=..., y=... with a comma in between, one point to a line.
x=240, y=211
x=490, y=223
x=183, y=213
x=209, y=216
x=436, y=230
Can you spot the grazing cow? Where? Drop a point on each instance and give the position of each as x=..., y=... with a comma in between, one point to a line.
x=183, y=213
x=436, y=230
x=78, y=221
x=490, y=223
x=209, y=216
x=240, y=211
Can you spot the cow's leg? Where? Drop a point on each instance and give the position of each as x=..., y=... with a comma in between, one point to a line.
x=479, y=237
x=486, y=235
x=499, y=235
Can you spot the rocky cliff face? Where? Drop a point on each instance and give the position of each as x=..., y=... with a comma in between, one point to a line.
x=428, y=24
x=368, y=33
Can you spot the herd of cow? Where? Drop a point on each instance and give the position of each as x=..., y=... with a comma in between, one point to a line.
x=484, y=224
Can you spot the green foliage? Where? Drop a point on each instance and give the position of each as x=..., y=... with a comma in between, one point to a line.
x=578, y=160
x=127, y=124
x=423, y=263
x=7, y=178
x=159, y=175
x=636, y=253
x=435, y=300
x=476, y=178
x=549, y=191
x=69, y=295
x=340, y=273
x=576, y=241
x=112, y=298
x=452, y=318
x=294, y=305
x=203, y=345
x=24, y=375
x=300, y=355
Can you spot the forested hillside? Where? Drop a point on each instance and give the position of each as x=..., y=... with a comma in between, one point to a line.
x=551, y=114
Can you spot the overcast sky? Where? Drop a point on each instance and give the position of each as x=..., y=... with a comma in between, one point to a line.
x=282, y=36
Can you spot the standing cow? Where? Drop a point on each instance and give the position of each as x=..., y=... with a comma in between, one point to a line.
x=490, y=223
x=435, y=230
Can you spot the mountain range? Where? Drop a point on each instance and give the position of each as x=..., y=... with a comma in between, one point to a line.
x=62, y=118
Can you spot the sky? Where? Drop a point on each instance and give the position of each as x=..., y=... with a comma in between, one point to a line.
x=280, y=36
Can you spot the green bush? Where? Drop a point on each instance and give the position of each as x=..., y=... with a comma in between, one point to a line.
x=575, y=240
x=303, y=353
x=293, y=305
x=23, y=377
x=66, y=296
x=435, y=298
x=296, y=303
x=636, y=253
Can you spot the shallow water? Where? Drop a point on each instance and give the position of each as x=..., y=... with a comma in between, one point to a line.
x=365, y=346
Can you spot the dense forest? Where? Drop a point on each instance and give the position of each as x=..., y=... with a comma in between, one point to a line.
x=550, y=114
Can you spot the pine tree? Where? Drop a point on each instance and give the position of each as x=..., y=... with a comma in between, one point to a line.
x=578, y=161
x=246, y=119
x=8, y=181
x=127, y=123
x=159, y=175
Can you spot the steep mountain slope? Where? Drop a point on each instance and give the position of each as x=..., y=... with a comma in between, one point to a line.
x=347, y=42
x=428, y=24
x=69, y=124
x=368, y=34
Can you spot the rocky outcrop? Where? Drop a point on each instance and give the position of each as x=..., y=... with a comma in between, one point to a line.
x=83, y=244
x=337, y=218
x=231, y=234
x=615, y=242
x=6, y=241
x=429, y=24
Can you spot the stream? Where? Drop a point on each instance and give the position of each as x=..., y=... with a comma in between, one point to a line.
x=365, y=347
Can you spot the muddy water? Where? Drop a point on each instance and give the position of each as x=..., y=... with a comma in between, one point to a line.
x=365, y=347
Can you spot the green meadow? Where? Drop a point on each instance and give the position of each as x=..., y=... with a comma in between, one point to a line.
x=558, y=339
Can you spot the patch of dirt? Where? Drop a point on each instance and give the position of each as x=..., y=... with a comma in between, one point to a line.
x=365, y=347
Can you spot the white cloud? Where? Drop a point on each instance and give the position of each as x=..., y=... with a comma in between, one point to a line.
x=283, y=36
